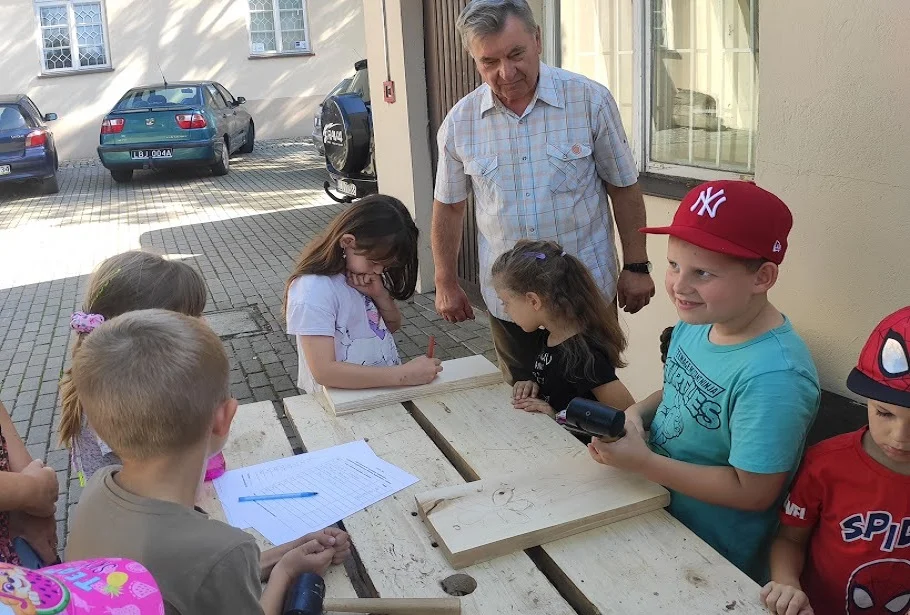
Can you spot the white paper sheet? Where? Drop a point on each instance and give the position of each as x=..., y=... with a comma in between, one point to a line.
x=244, y=481
x=348, y=478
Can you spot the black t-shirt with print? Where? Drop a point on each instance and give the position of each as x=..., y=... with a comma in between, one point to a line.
x=557, y=386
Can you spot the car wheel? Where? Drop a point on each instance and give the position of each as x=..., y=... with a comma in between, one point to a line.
x=250, y=140
x=223, y=166
x=49, y=185
x=122, y=175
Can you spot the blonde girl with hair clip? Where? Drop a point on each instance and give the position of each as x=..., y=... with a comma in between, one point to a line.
x=123, y=283
x=581, y=342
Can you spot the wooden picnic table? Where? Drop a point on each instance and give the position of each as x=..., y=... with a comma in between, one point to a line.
x=646, y=564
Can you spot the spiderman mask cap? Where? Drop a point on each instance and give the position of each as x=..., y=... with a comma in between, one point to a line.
x=883, y=370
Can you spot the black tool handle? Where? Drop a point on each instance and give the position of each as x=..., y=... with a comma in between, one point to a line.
x=305, y=596
x=595, y=418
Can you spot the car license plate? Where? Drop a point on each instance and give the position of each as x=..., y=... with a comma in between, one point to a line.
x=347, y=187
x=145, y=154
x=5, y=169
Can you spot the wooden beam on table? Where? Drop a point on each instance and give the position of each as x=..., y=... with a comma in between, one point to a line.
x=257, y=436
x=511, y=512
x=395, y=548
x=646, y=564
x=456, y=375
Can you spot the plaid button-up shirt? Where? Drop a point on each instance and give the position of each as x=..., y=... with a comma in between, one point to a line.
x=539, y=175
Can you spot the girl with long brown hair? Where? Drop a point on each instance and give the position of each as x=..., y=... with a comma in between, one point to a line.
x=340, y=300
x=542, y=287
x=123, y=283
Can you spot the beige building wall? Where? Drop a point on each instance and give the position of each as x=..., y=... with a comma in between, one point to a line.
x=191, y=39
x=834, y=143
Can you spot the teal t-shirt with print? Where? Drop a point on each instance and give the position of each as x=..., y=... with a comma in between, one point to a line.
x=747, y=405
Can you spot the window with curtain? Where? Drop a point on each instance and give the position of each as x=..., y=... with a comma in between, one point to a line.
x=684, y=74
x=278, y=26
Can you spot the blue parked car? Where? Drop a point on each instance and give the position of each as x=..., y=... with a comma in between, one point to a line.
x=27, y=148
x=196, y=123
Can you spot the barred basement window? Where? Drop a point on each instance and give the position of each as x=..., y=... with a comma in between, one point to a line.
x=278, y=26
x=72, y=35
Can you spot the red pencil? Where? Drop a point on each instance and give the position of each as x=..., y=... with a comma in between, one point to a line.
x=430, y=345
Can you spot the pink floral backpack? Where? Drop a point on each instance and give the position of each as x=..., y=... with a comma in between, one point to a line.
x=105, y=586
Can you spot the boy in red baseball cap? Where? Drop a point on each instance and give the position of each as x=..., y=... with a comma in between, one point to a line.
x=740, y=388
x=844, y=543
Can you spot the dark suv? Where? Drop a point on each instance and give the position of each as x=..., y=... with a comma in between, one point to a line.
x=344, y=134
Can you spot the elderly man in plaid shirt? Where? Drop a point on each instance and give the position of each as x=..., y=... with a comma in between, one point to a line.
x=542, y=149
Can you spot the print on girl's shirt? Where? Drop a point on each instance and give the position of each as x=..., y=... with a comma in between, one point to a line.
x=374, y=346
x=376, y=323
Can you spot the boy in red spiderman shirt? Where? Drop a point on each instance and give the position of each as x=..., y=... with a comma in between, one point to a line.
x=844, y=542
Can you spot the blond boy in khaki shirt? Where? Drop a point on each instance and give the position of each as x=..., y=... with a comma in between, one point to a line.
x=154, y=385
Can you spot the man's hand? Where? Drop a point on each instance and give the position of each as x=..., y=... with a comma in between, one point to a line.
x=628, y=453
x=634, y=290
x=524, y=389
x=785, y=599
x=452, y=303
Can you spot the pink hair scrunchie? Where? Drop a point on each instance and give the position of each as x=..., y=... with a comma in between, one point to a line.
x=85, y=323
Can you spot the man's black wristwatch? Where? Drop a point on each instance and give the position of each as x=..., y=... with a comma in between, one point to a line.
x=638, y=267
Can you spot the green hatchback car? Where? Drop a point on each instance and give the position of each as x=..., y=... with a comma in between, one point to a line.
x=196, y=123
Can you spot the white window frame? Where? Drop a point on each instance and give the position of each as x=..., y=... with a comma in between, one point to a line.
x=276, y=20
x=74, y=41
x=641, y=97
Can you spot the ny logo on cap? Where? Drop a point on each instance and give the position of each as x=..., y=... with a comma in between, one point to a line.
x=777, y=246
x=708, y=202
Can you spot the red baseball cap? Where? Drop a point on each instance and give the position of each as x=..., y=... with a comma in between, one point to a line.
x=736, y=218
x=883, y=369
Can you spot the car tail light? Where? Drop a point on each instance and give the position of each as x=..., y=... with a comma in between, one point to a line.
x=112, y=126
x=35, y=138
x=188, y=120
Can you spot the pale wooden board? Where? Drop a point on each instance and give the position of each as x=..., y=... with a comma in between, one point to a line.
x=457, y=374
x=393, y=543
x=256, y=437
x=650, y=563
x=501, y=514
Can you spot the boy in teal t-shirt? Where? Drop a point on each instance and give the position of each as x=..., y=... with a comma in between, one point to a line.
x=740, y=388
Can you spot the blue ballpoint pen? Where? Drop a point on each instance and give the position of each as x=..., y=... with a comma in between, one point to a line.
x=276, y=496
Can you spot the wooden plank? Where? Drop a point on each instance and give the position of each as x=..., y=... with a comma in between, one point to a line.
x=456, y=374
x=393, y=544
x=256, y=437
x=658, y=563
x=478, y=521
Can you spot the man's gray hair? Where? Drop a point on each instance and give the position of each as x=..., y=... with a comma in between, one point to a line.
x=485, y=17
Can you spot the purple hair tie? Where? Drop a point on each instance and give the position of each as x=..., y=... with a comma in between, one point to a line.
x=85, y=323
x=538, y=255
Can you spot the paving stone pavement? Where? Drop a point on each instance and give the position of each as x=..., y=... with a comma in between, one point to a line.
x=242, y=231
